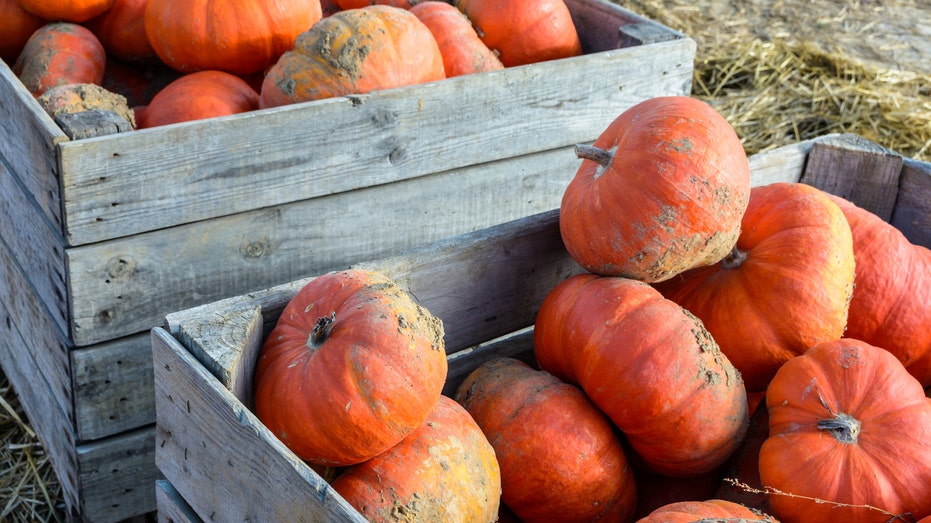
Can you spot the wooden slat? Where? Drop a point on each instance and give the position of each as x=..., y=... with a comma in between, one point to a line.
x=912, y=214
x=226, y=464
x=172, y=508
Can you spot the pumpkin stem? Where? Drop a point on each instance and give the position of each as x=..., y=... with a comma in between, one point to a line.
x=844, y=427
x=321, y=330
x=734, y=259
x=595, y=154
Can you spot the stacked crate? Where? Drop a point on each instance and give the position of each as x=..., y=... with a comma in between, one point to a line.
x=104, y=236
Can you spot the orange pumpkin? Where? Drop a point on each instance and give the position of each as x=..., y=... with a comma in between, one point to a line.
x=195, y=96
x=16, y=26
x=358, y=4
x=558, y=453
x=354, y=52
x=713, y=510
x=662, y=190
x=59, y=54
x=444, y=471
x=352, y=367
x=524, y=31
x=239, y=37
x=785, y=286
x=121, y=30
x=463, y=51
x=649, y=365
x=847, y=425
x=76, y=11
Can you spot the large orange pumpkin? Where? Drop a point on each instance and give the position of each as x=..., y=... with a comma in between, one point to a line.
x=239, y=37
x=558, y=453
x=463, y=51
x=785, y=286
x=354, y=52
x=351, y=368
x=524, y=31
x=847, y=425
x=16, y=26
x=445, y=471
x=891, y=304
x=121, y=30
x=649, y=365
x=75, y=11
x=60, y=53
x=662, y=190
x=710, y=511
x=204, y=94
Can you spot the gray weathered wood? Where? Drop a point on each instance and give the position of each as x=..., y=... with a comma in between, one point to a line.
x=94, y=122
x=223, y=461
x=172, y=508
x=912, y=214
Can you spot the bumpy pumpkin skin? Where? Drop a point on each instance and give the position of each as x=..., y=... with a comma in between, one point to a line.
x=558, y=453
x=75, y=11
x=463, y=51
x=524, y=31
x=239, y=37
x=891, y=304
x=352, y=367
x=706, y=511
x=668, y=196
x=443, y=472
x=649, y=365
x=195, y=96
x=355, y=52
x=16, y=26
x=815, y=401
x=785, y=287
x=60, y=53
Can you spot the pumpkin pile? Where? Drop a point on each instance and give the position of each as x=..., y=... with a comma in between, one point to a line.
x=284, y=52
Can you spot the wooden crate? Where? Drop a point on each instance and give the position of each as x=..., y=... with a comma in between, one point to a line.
x=486, y=286
x=111, y=233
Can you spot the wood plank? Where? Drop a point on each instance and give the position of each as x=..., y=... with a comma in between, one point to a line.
x=199, y=422
x=199, y=170
x=172, y=508
x=912, y=215
x=28, y=142
x=127, y=286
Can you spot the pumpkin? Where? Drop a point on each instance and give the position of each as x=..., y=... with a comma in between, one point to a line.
x=121, y=30
x=891, y=304
x=239, y=37
x=848, y=426
x=76, y=98
x=16, y=26
x=557, y=452
x=524, y=31
x=463, y=51
x=662, y=190
x=445, y=471
x=76, y=11
x=712, y=510
x=58, y=54
x=649, y=365
x=785, y=286
x=195, y=96
x=354, y=52
x=358, y=4
x=352, y=367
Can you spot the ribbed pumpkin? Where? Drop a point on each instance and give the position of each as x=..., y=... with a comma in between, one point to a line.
x=662, y=190
x=785, y=286
x=16, y=26
x=121, y=30
x=354, y=52
x=713, y=510
x=649, y=365
x=847, y=424
x=891, y=304
x=524, y=31
x=463, y=51
x=75, y=11
x=60, y=53
x=239, y=37
x=351, y=368
x=445, y=471
x=195, y=96
x=558, y=453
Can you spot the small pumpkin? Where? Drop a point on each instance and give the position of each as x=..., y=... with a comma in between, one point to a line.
x=649, y=365
x=558, y=453
x=463, y=51
x=445, y=471
x=524, y=31
x=121, y=30
x=76, y=11
x=847, y=425
x=712, y=510
x=784, y=287
x=58, y=54
x=16, y=26
x=353, y=52
x=662, y=190
x=239, y=37
x=351, y=368
x=195, y=96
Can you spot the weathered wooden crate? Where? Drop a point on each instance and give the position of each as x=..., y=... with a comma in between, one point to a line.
x=104, y=236
x=222, y=464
